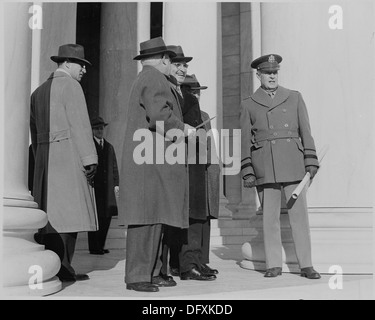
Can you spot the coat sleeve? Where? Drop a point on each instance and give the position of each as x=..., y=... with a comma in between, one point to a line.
x=156, y=98
x=116, y=179
x=78, y=118
x=307, y=140
x=245, y=125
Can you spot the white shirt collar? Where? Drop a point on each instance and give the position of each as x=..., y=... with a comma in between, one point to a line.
x=98, y=140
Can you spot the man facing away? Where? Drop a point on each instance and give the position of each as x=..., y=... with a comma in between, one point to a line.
x=65, y=158
x=277, y=151
x=151, y=194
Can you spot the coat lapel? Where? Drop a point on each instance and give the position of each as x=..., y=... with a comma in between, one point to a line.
x=281, y=95
x=261, y=97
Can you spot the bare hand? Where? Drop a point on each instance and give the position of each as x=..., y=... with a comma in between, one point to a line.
x=189, y=131
x=117, y=191
x=249, y=182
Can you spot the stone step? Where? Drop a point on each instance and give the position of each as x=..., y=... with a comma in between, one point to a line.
x=223, y=232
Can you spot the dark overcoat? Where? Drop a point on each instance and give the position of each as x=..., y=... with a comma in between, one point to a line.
x=63, y=144
x=105, y=180
x=204, y=181
x=276, y=140
x=152, y=192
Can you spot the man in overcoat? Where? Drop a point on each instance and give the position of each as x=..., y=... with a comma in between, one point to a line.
x=153, y=192
x=65, y=157
x=106, y=185
x=203, y=191
x=277, y=149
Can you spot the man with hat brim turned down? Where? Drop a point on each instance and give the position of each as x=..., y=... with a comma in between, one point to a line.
x=277, y=151
x=65, y=158
x=106, y=186
x=203, y=190
x=152, y=193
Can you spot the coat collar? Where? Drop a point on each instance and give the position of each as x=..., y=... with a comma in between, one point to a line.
x=261, y=97
x=58, y=74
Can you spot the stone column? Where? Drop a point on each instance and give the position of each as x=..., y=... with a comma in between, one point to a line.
x=197, y=28
x=118, y=47
x=340, y=108
x=24, y=261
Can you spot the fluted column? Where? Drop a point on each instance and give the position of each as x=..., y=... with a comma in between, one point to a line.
x=23, y=259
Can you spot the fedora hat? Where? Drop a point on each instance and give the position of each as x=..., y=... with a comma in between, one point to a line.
x=191, y=81
x=180, y=57
x=98, y=122
x=72, y=52
x=153, y=47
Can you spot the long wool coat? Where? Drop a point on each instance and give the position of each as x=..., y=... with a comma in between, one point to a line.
x=276, y=141
x=105, y=180
x=203, y=178
x=62, y=143
x=152, y=193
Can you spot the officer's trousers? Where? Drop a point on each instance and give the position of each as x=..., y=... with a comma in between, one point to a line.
x=270, y=198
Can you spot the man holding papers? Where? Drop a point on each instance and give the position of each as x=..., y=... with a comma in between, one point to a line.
x=277, y=151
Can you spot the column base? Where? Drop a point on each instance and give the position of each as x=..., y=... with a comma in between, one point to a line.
x=26, y=264
x=48, y=287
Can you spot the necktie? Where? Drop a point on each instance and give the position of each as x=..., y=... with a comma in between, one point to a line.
x=101, y=143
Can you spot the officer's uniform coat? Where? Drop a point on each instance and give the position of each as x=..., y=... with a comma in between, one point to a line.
x=62, y=143
x=276, y=143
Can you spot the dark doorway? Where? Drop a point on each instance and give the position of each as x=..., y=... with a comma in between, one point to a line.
x=88, y=35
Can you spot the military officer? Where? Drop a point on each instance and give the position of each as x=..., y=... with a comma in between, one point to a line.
x=277, y=151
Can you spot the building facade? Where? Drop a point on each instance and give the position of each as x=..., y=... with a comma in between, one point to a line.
x=328, y=55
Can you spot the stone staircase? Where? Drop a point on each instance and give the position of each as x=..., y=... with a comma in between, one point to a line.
x=224, y=232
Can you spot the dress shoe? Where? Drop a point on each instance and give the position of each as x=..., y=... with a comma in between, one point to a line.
x=82, y=277
x=106, y=251
x=195, y=274
x=74, y=278
x=165, y=276
x=207, y=270
x=159, y=281
x=142, y=287
x=174, y=271
x=97, y=252
x=310, y=273
x=273, y=272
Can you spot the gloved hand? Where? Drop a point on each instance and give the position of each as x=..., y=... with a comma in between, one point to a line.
x=249, y=182
x=90, y=173
x=312, y=170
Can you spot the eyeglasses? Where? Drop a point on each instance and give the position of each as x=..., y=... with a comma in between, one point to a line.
x=180, y=65
x=83, y=66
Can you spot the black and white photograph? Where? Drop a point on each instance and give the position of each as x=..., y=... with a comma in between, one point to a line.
x=187, y=156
